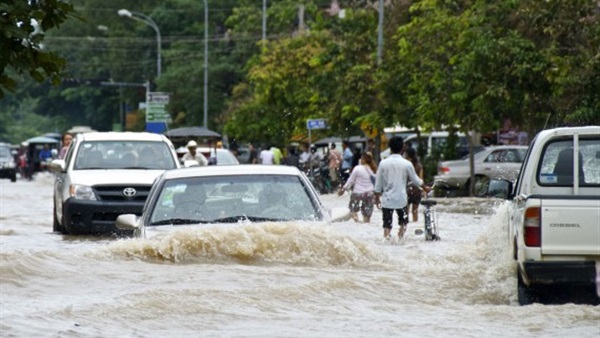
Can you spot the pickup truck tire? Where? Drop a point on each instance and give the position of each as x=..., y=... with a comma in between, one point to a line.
x=56, y=226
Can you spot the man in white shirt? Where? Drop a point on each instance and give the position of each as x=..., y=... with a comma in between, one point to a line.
x=390, y=187
x=193, y=154
x=266, y=156
x=304, y=157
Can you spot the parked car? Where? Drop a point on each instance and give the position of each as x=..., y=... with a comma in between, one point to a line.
x=105, y=174
x=434, y=140
x=498, y=162
x=229, y=194
x=8, y=166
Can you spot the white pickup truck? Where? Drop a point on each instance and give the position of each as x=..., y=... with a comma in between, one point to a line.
x=554, y=225
x=106, y=174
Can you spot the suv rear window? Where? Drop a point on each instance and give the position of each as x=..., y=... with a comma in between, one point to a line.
x=124, y=155
x=556, y=167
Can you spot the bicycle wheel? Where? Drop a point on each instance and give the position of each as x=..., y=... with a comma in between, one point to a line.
x=428, y=225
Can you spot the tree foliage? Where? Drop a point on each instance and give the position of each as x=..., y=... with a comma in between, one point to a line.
x=469, y=64
x=23, y=25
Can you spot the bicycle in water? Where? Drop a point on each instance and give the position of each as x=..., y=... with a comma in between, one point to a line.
x=430, y=221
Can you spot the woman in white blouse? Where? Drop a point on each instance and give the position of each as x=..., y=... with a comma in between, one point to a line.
x=361, y=184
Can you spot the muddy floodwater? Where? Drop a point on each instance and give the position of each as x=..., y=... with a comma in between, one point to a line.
x=269, y=279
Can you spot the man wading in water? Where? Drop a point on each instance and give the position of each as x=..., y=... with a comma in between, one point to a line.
x=390, y=187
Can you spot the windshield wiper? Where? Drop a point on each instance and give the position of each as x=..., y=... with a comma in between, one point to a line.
x=178, y=221
x=235, y=219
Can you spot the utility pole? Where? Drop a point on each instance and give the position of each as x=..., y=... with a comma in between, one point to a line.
x=380, y=34
x=264, y=21
x=301, y=18
x=376, y=154
x=206, y=64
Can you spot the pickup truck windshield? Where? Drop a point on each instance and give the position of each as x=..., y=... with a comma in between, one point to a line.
x=124, y=155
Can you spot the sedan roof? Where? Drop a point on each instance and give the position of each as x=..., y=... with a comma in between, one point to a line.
x=242, y=169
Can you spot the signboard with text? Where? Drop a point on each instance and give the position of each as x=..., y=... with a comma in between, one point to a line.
x=156, y=107
x=157, y=116
x=316, y=124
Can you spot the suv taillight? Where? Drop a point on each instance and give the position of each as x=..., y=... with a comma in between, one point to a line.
x=443, y=170
x=533, y=230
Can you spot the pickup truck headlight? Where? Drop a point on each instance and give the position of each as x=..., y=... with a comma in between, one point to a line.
x=8, y=165
x=82, y=192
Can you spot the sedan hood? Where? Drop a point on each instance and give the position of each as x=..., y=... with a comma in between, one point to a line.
x=114, y=176
x=164, y=230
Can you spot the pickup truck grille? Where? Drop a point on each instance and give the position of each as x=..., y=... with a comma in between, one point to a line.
x=119, y=192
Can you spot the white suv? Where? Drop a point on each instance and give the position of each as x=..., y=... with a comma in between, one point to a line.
x=105, y=174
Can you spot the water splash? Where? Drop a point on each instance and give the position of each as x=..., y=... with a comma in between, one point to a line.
x=265, y=243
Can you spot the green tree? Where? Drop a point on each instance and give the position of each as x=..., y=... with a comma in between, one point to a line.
x=23, y=25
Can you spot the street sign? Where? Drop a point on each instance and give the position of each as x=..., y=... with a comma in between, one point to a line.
x=316, y=124
x=156, y=107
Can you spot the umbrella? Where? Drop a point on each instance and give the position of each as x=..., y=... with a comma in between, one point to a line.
x=191, y=132
x=41, y=140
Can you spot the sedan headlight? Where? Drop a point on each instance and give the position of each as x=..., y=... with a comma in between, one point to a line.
x=82, y=192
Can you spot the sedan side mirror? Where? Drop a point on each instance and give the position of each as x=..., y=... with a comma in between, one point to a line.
x=339, y=214
x=127, y=222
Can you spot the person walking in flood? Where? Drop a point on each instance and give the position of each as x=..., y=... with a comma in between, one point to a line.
x=346, y=161
x=390, y=187
x=413, y=192
x=335, y=161
x=361, y=184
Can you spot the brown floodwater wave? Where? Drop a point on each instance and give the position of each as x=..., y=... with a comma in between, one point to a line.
x=261, y=243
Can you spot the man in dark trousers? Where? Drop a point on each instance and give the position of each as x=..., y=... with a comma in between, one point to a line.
x=390, y=187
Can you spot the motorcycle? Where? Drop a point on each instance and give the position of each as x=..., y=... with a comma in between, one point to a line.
x=320, y=179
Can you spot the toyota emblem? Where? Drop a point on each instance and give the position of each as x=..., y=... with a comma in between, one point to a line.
x=129, y=192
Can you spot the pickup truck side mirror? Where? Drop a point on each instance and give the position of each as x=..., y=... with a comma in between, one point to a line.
x=500, y=189
x=57, y=166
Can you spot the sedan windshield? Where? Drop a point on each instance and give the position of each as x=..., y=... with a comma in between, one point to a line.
x=230, y=199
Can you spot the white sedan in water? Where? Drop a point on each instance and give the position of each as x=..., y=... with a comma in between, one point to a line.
x=191, y=197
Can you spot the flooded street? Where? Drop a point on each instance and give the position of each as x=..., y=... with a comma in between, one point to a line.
x=269, y=280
